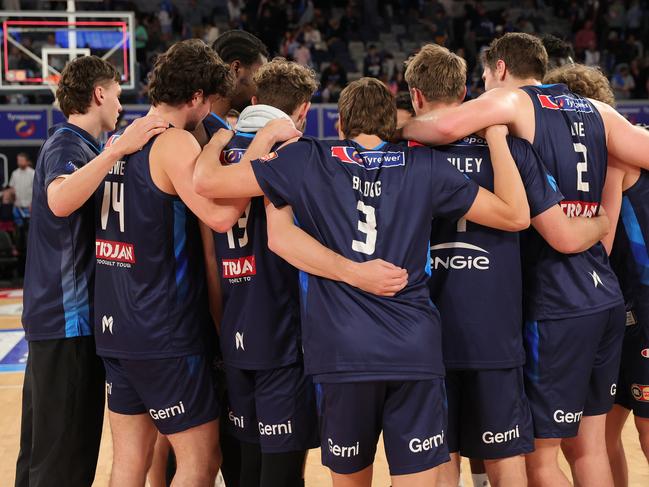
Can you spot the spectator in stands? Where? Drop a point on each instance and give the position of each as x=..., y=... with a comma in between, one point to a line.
x=333, y=80
x=373, y=63
x=141, y=39
x=634, y=18
x=22, y=181
x=302, y=55
x=592, y=55
x=622, y=82
x=616, y=16
x=585, y=37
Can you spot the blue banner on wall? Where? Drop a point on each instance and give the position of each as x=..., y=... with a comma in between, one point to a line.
x=23, y=124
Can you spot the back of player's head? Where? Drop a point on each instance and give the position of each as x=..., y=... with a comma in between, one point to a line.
x=559, y=51
x=239, y=45
x=366, y=106
x=585, y=81
x=523, y=54
x=78, y=81
x=404, y=102
x=284, y=84
x=186, y=68
x=437, y=72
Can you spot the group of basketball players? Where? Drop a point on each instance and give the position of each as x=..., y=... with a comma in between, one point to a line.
x=319, y=263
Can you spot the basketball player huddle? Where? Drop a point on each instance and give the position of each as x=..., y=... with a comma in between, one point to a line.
x=250, y=294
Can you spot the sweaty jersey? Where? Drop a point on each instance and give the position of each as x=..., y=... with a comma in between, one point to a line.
x=630, y=257
x=367, y=204
x=571, y=141
x=150, y=296
x=213, y=123
x=260, y=325
x=59, y=272
x=476, y=270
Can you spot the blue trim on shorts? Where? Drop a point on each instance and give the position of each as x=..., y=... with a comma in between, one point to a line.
x=531, y=337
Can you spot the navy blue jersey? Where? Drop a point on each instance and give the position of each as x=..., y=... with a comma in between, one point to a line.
x=261, y=313
x=150, y=296
x=367, y=204
x=213, y=123
x=476, y=281
x=59, y=272
x=571, y=141
x=630, y=257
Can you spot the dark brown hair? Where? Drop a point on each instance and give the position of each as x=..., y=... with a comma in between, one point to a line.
x=366, y=106
x=583, y=80
x=284, y=84
x=523, y=54
x=185, y=68
x=78, y=81
x=437, y=72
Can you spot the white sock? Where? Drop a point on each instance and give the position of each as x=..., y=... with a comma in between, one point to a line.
x=480, y=480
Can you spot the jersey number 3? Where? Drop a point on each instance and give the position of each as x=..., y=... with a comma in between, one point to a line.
x=368, y=227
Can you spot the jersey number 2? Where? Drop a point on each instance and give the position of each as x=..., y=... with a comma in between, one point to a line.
x=368, y=227
x=582, y=167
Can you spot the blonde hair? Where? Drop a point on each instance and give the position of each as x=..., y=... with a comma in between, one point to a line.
x=284, y=84
x=437, y=72
x=583, y=80
x=366, y=106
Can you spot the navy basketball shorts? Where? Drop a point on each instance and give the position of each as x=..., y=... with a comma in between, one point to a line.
x=633, y=383
x=274, y=408
x=178, y=393
x=572, y=369
x=412, y=415
x=489, y=416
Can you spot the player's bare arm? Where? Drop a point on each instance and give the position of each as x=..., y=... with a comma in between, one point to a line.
x=625, y=141
x=173, y=157
x=304, y=252
x=213, y=180
x=507, y=207
x=68, y=193
x=212, y=276
x=570, y=235
x=446, y=125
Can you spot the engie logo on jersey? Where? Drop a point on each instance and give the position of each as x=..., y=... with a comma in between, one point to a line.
x=566, y=103
x=368, y=160
x=232, y=156
x=241, y=267
x=457, y=262
x=112, y=253
x=579, y=208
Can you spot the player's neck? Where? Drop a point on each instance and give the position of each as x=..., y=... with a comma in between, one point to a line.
x=177, y=118
x=367, y=141
x=432, y=106
x=221, y=107
x=518, y=83
x=88, y=122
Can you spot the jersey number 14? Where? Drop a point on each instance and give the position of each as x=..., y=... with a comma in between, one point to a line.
x=113, y=198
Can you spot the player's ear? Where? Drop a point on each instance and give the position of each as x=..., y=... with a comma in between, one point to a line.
x=235, y=66
x=197, y=98
x=304, y=109
x=416, y=98
x=254, y=100
x=99, y=95
x=463, y=95
x=501, y=69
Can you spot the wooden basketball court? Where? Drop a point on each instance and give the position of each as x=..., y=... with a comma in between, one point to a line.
x=316, y=476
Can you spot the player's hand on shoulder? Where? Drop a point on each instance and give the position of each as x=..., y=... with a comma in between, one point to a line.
x=138, y=133
x=279, y=130
x=378, y=277
x=221, y=137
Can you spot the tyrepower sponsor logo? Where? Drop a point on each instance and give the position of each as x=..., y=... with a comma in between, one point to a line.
x=112, y=253
x=579, y=208
x=239, y=269
x=640, y=392
x=472, y=257
x=566, y=103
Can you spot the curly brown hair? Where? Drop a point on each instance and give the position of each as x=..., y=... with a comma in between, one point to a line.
x=284, y=84
x=78, y=81
x=366, y=106
x=524, y=55
x=583, y=80
x=186, y=68
x=437, y=72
